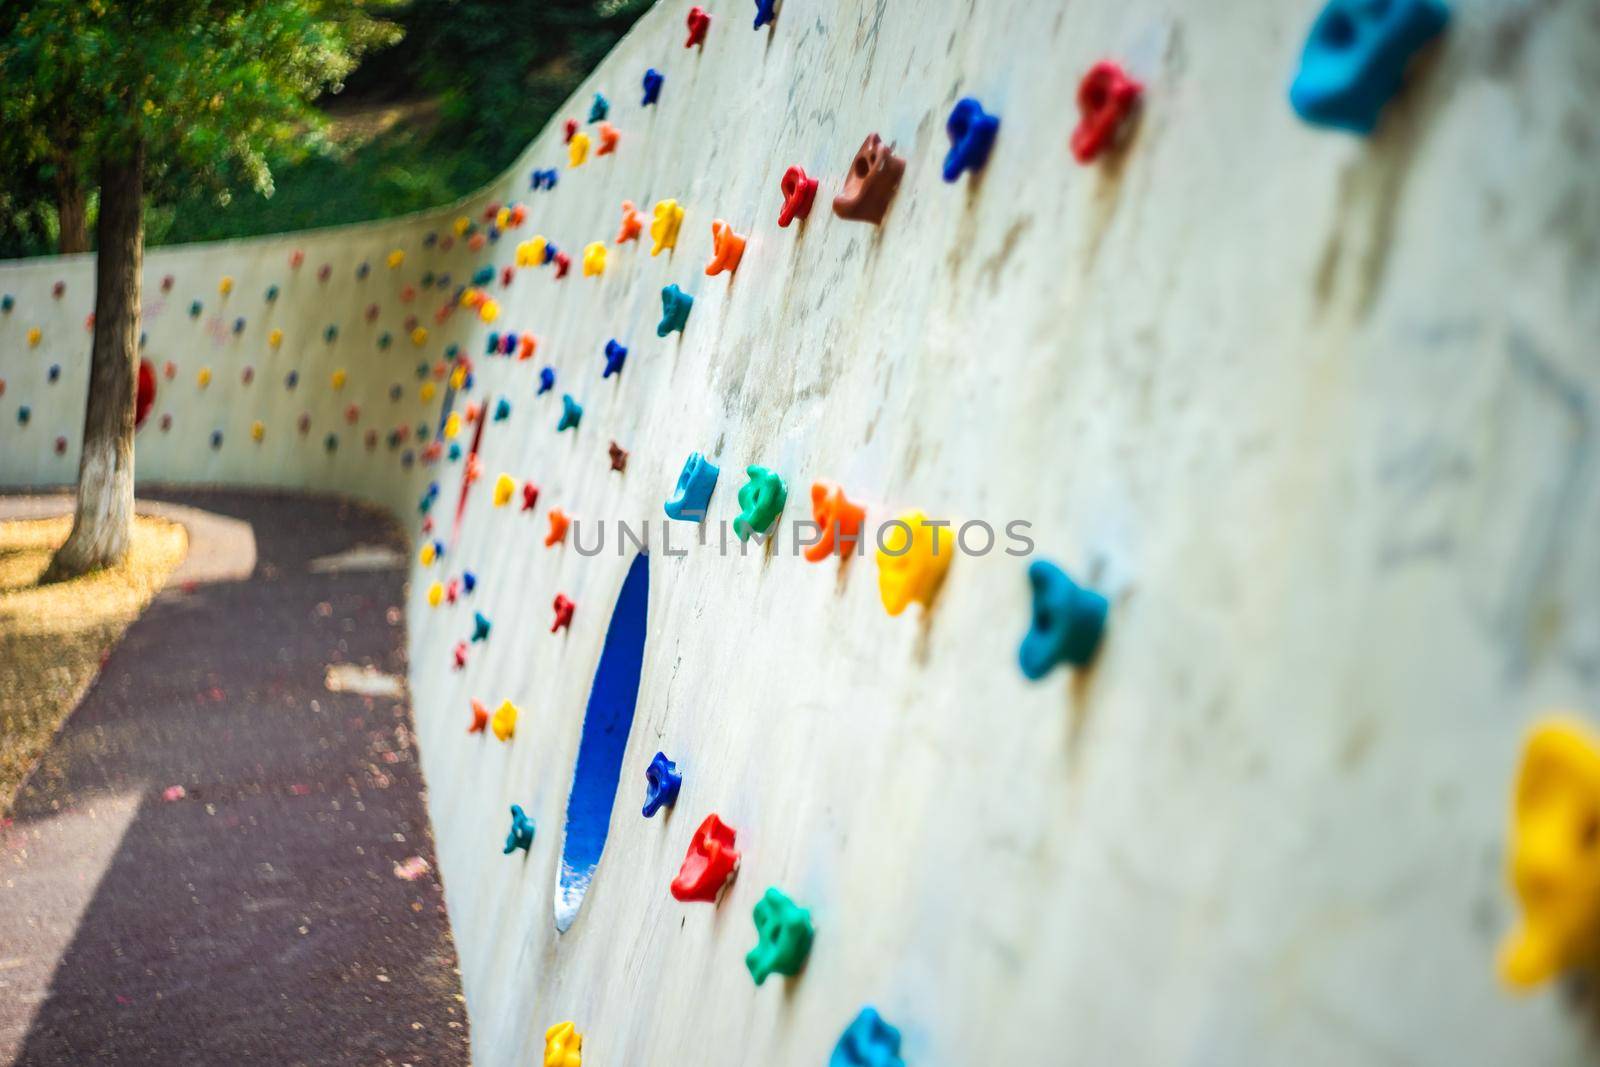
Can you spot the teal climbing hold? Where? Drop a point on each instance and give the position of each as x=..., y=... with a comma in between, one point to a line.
x=522, y=829
x=675, y=307
x=571, y=413
x=783, y=932
x=761, y=501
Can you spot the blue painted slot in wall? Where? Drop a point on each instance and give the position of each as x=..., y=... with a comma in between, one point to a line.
x=606, y=724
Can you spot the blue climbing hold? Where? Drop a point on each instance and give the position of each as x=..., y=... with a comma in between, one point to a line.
x=216, y=438
x=363, y=270
x=661, y=784
x=469, y=581
x=1356, y=56
x=8, y=301
x=675, y=307
x=652, y=89
x=766, y=12
x=492, y=345
x=550, y=251
x=55, y=372
x=238, y=324
x=599, y=109
x=547, y=380
x=395, y=392
x=480, y=621
x=543, y=179
x=291, y=379
x=521, y=835
x=616, y=355
x=692, y=497
x=867, y=1042
x=502, y=410
x=1068, y=621
x=571, y=413
x=972, y=132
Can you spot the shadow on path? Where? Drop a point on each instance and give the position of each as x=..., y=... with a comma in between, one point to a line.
x=259, y=917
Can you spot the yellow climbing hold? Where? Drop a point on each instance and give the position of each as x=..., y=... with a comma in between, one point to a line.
x=225, y=286
x=435, y=592
x=504, y=486
x=458, y=378
x=488, y=311
x=664, y=228
x=530, y=253
x=33, y=337
x=258, y=430
x=338, y=378
x=1555, y=854
x=204, y=377
x=396, y=258
x=912, y=559
x=427, y=555
x=594, y=258
x=504, y=723
x=502, y=218
x=578, y=149
x=462, y=224
x=563, y=1046
x=275, y=338
x=426, y=392
x=452, y=426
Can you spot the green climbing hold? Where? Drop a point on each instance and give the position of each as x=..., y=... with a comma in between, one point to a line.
x=761, y=501
x=784, y=931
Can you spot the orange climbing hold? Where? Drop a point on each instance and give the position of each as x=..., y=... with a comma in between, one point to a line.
x=632, y=223
x=558, y=527
x=840, y=521
x=609, y=136
x=726, y=248
x=480, y=715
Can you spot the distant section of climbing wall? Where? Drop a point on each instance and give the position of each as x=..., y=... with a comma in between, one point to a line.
x=1118, y=484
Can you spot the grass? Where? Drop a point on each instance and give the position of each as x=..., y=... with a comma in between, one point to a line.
x=53, y=638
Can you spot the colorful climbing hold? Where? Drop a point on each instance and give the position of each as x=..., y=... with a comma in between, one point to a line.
x=558, y=527
x=563, y=609
x=599, y=109
x=692, y=496
x=698, y=22
x=867, y=1042
x=1107, y=98
x=912, y=561
x=632, y=223
x=1355, y=59
x=652, y=87
x=1554, y=864
x=616, y=356
x=578, y=149
x=225, y=286
x=480, y=714
x=562, y=262
x=571, y=413
x=761, y=501
x=972, y=131
x=799, y=190
x=661, y=785
x=563, y=1046
x=1067, y=622
x=594, y=259
x=619, y=457
x=522, y=829
x=480, y=627
x=668, y=218
x=710, y=863
x=547, y=380
x=783, y=937
x=530, y=496
x=871, y=184
x=275, y=338
x=838, y=520
x=258, y=430
x=504, y=722
x=338, y=378
x=675, y=307
x=726, y=248
x=34, y=335
x=609, y=137
x=766, y=13
x=203, y=377
x=505, y=487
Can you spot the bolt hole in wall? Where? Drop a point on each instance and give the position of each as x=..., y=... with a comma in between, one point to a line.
x=606, y=724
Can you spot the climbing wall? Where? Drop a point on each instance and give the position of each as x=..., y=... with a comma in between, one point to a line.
x=1310, y=408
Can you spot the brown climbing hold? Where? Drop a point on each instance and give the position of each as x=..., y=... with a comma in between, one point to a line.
x=619, y=457
x=874, y=176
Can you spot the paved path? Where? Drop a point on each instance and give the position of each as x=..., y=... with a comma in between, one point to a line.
x=259, y=917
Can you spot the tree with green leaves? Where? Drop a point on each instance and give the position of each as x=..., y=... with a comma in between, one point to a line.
x=128, y=91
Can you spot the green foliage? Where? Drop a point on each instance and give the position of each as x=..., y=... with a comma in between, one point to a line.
x=210, y=88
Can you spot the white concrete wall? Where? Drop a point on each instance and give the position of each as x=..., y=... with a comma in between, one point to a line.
x=1317, y=411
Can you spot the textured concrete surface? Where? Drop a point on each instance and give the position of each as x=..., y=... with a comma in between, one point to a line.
x=1317, y=412
x=257, y=917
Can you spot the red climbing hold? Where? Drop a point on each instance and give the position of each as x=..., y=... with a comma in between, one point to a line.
x=563, y=261
x=530, y=496
x=480, y=718
x=146, y=397
x=799, y=191
x=564, y=609
x=1106, y=97
x=710, y=863
x=460, y=654
x=699, y=22
x=571, y=127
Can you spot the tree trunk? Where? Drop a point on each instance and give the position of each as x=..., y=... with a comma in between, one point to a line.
x=71, y=208
x=103, y=523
